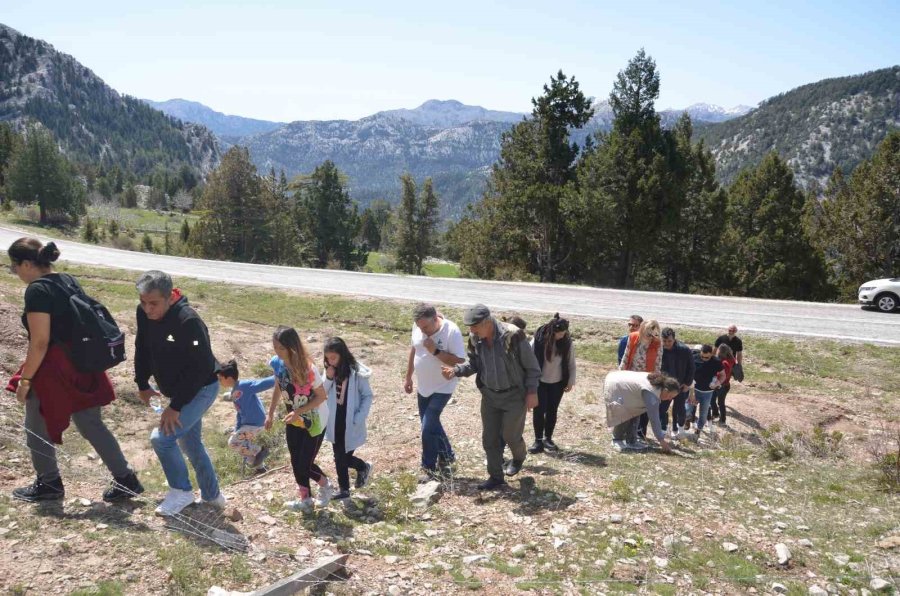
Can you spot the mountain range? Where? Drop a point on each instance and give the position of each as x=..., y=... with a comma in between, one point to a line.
x=90, y=120
x=816, y=127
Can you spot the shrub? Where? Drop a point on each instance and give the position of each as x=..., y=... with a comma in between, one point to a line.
x=147, y=243
x=778, y=443
x=824, y=444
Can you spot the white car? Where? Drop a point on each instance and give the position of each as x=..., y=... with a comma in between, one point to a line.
x=884, y=294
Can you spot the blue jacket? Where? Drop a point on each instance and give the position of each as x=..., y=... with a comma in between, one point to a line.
x=623, y=345
x=359, y=402
x=245, y=395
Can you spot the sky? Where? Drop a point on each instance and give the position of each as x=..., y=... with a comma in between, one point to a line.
x=288, y=60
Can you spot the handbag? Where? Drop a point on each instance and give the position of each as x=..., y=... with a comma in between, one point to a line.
x=737, y=372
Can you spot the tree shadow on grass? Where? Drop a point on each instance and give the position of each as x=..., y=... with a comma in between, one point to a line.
x=118, y=515
x=594, y=460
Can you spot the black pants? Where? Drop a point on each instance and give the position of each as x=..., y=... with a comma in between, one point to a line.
x=678, y=412
x=304, y=449
x=663, y=414
x=717, y=408
x=343, y=459
x=544, y=416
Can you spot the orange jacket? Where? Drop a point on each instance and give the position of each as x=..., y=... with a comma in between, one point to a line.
x=631, y=350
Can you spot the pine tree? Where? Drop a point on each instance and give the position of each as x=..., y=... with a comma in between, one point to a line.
x=40, y=174
x=185, y=233
x=769, y=251
x=406, y=244
x=428, y=213
x=857, y=224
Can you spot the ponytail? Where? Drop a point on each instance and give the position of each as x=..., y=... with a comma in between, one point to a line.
x=31, y=249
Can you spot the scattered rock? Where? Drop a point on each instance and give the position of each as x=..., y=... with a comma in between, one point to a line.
x=268, y=520
x=426, y=494
x=784, y=554
x=779, y=588
x=84, y=502
x=468, y=560
x=889, y=542
x=815, y=590
x=880, y=585
x=729, y=547
x=559, y=529
x=391, y=559
x=805, y=542
x=842, y=560
x=518, y=550
x=661, y=562
x=233, y=514
x=395, y=590
x=630, y=542
x=615, y=518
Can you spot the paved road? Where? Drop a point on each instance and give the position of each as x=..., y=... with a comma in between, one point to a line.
x=843, y=322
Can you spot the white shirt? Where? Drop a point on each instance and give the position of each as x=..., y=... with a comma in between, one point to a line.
x=428, y=366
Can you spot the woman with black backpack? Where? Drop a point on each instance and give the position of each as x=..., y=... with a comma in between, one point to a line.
x=52, y=389
x=556, y=354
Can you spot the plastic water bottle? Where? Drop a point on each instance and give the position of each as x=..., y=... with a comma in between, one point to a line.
x=156, y=404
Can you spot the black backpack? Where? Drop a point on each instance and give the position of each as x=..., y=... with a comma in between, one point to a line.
x=97, y=342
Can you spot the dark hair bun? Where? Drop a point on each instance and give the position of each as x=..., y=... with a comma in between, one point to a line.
x=48, y=254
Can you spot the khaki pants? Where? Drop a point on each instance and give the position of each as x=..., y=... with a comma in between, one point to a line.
x=502, y=420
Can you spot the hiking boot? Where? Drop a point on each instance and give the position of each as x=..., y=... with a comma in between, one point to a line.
x=513, y=468
x=549, y=445
x=123, y=488
x=492, y=484
x=40, y=491
x=362, y=476
x=260, y=457
x=536, y=447
x=176, y=500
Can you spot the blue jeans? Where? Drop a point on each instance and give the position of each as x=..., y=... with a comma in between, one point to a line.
x=188, y=437
x=434, y=439
x=704, y=397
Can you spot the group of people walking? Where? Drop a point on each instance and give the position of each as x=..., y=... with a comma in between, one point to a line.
x=513, y=374
x=656, y=373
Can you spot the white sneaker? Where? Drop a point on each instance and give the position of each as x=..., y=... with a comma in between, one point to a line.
x=218, y=502
x=324, y=496
x=176, y=500
x=303, y=505
x=682, y=435
x=618, y=445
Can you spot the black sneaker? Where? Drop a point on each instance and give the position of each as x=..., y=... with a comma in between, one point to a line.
x=492, y=484
x=513, y=468
x=536, y=447
x=549, y=445
x=362, y=476
x=40, y=491
x=123, y=488
x=260, y=457
x=341, y=496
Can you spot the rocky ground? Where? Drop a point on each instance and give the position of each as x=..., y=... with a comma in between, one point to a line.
x=720, y=516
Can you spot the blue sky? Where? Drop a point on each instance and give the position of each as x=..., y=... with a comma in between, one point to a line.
x=284, y=60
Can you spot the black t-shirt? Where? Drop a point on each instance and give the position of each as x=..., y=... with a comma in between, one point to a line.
x=705, y=371
x=734, y=343
x=46, y=297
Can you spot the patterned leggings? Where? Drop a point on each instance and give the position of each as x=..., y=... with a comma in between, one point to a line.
x=243, y=440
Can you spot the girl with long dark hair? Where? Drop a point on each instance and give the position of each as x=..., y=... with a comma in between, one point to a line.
x=299, y=387
x=555, y=352
x=349, y=401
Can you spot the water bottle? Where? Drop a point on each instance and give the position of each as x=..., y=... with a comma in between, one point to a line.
x=156, y=404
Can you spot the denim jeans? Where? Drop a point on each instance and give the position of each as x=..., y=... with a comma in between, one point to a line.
x=434, y=440
x=188, y=437
x=704, y=398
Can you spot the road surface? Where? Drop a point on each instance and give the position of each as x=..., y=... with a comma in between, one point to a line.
x=806, y=319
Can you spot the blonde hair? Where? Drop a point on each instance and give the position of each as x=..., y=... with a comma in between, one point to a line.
x=650, y=326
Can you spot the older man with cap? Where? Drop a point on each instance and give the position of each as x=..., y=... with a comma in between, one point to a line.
x=507, y=374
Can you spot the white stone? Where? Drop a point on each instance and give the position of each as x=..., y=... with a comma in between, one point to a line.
x=842, y=560
x=784, y=554
x=805, y=542
x=518, y=550
x=468, y=560
x=391, y=559
x=779, y=588
x=615, y=518
x=815, y=590
x=879, y=585
x=729, y=547
x=661, y=562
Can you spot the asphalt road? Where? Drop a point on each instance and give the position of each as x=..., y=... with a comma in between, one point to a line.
x=807, y=319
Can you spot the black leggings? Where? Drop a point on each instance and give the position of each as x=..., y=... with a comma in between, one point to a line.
x=718, y=404
x=304, y=449
x=544, y=418
x=344, y=460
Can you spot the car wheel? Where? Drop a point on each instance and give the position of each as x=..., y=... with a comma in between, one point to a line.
x=886, y=302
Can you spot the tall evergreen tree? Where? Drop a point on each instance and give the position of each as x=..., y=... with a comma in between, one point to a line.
x=232, y=222
x=40, y=174
x=407, y=240
x=10, y=143
x=330, y=219
x=427, y=221
x=769, y=251
x=857, y=224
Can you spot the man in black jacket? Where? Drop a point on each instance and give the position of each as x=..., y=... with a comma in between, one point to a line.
x=172, y=346
x=677, y=362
